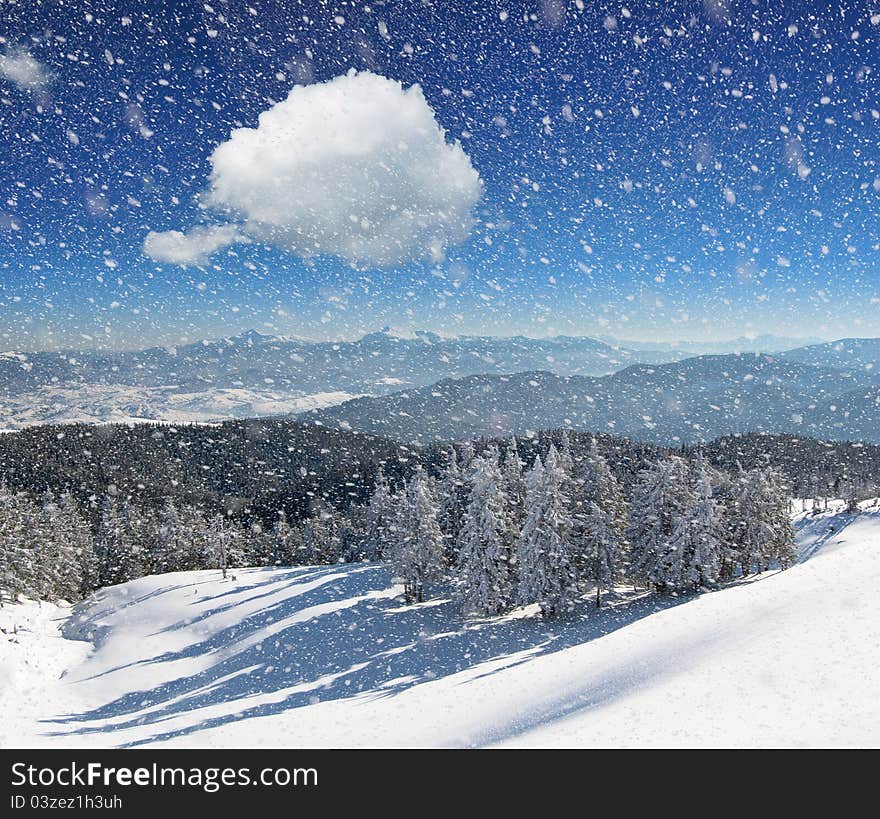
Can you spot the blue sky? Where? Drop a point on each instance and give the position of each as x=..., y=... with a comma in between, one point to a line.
x=650, y=170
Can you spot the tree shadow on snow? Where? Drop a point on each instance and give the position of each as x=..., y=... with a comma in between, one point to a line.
x=275, y=583
x=346, y=637
x=827, y=528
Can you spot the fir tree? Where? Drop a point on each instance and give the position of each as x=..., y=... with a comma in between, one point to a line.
x=18, y=571
x=379, y=518
x=547, y=570
x=417, y=554
x=63, y=536
x=599, y=518
x=283, y=542
x=727, y=496
x=485, y=541
x=754, y=525
x=778, y=544
x=566, y=461
x=514, y=484
x=697, y=540
x=217, y=542
x=453, y=492
x=660, y=500
x=169, y=549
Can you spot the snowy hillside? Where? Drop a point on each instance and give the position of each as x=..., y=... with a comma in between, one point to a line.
x=329, y=656
x=124, y=404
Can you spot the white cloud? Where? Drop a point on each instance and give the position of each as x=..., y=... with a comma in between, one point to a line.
x=20, y=68
x=193, y=248
x=356, y=167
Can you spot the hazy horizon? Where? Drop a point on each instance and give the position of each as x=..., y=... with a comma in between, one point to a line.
x=404, y=332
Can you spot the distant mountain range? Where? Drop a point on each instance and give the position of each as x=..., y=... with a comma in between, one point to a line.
x=765, y=343
x=378, y=362
x=693, y=400
x=257, y=374
x=421, y=386
x=845, y=354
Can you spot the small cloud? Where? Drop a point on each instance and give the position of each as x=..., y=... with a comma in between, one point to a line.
x=357, y=168
x=19, y=67
x=193, y=248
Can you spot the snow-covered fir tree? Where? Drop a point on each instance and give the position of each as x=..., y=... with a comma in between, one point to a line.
x=417, y=549
x=193, y=539
x=566, y=460
x=780, y=548
x=762, y=527
x=353, y=543
x=545, y=563
x=111, y=544
x=452, y=493
x=283, y=542
x=168, y=544
x=697, y=538
x=19, y=574
x=483, y=571
x=79, y=533
x=514, y=485
x=260, y=546
x=599, y=519
x=466, y=453
x=726, y=492
x=239, y=546
x=217, y=543
x=322, y=534
x=62, y=536
x=38, y=541
x=312, y=535
x=379, y=518
x=660, y=500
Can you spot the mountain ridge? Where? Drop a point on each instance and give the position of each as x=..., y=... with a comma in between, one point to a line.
x=688, y=401
x=255, y=374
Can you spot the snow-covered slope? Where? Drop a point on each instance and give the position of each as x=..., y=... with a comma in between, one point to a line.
x=329, y=656
x=122, y=403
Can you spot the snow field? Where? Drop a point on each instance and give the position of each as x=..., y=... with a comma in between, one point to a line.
x=330, y=656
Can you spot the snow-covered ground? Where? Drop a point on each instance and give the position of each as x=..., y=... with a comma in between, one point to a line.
x=122, y=404
x=330, y=656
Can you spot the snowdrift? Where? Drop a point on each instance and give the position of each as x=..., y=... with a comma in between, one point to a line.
x=329, y=656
